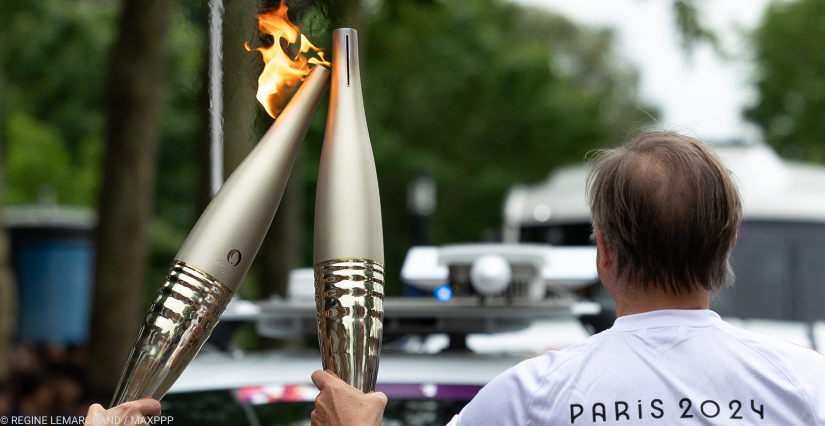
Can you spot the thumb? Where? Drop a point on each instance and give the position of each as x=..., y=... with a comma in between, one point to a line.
x=322, y=379
x=95, y=409
x=95, y=412
x=379, y=396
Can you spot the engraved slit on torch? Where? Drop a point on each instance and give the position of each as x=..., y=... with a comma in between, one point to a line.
x=349, y=294
x=185, y=310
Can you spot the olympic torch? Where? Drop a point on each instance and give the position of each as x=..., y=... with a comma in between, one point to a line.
x=349, y=245
x=216, y=255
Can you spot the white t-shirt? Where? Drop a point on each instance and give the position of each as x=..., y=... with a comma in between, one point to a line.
x=669, y=367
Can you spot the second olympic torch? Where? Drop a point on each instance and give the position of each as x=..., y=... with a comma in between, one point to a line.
x=349, y=244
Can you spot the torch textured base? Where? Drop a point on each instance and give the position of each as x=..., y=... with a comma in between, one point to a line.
x=186, y=309
x=349, y=296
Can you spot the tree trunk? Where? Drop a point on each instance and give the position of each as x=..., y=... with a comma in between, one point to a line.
x=203, y=189
x=134, y=100
x=240, y=82
x=282, y=249
x=8, y=307
x=8, y=288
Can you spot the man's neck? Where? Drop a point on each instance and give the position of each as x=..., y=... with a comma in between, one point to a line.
x=655, y=299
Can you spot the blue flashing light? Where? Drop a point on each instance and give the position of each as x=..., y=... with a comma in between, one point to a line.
x=443, y=293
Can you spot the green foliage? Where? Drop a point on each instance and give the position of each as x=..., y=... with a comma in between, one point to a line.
x=38, y=156
x=53, y=69
x=181, y=138
x=791, y=81
x=481, y=95
x=52, y=63
x=182, y=124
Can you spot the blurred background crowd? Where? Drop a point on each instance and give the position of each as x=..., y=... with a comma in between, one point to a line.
x=104, y=141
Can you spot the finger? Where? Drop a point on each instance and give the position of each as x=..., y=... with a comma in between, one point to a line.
x=321, y=379
x=144, y=407
x=332, y=373
x=315, y=419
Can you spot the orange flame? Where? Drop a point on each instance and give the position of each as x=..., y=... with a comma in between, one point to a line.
x=282, y=71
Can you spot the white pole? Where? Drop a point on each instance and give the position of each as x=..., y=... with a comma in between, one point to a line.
x=215, y=95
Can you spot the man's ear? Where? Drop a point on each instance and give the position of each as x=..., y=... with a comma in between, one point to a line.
x=605, y=257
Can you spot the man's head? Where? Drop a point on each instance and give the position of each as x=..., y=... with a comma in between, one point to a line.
x=667, y=210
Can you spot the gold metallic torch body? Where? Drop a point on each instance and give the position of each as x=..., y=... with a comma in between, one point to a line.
x=349, y=245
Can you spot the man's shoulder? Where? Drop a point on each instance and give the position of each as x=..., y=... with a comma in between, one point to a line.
x=530, y=374
x=771, y=348
x=803, y=367
x=537, y=368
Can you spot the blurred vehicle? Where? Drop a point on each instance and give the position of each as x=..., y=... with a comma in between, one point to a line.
x=274, y=388
x=778, y=259
x=489, y=307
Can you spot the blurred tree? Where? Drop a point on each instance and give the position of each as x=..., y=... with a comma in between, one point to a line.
x=282, y=249
x=53, y=57
x=481, y=95
x=135, y=90
x=182, y=186
x=791, y=78
x=203, y=138
x=8, y=288
x=51, y=122
x=691, y=28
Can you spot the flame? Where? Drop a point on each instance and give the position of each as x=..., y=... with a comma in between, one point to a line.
x=281, y=71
